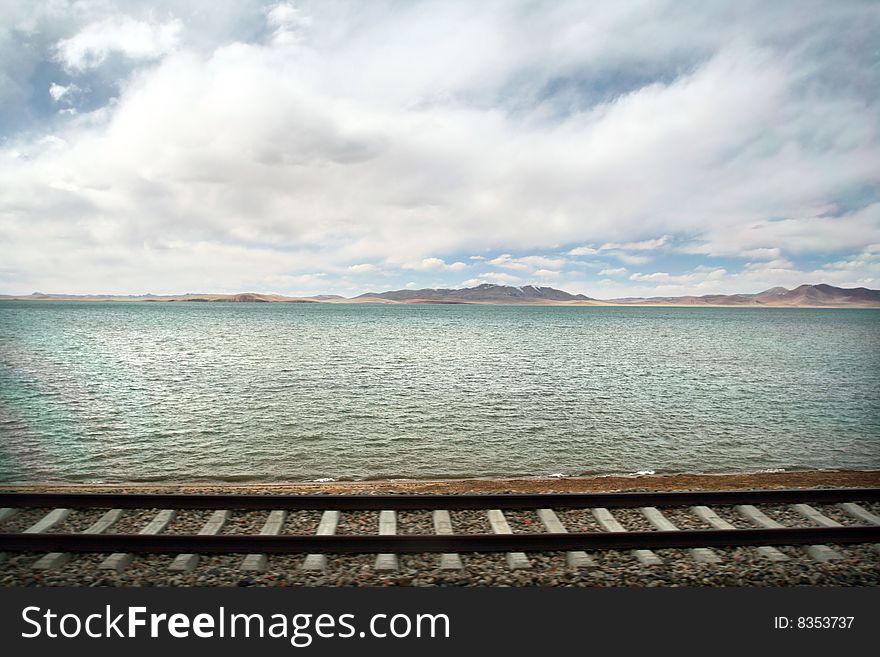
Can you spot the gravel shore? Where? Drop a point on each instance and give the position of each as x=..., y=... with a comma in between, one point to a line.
x=805, y=479
x=859, y=565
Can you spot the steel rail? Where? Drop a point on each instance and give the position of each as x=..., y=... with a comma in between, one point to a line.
x=325, y=502
x=336, y=544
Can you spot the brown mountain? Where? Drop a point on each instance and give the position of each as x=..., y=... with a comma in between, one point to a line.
x=804, y=295
x=485, y=293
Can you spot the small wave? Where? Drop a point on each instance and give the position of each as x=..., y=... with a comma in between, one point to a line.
x=557, y=475
x=772, y=470
x=640, y=473
x=324, y=480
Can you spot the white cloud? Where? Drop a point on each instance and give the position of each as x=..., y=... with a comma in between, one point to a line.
x=525, y=263
x=364, y=268
x=547, y=273
x=496, y=278
x=698, y=277
x=434, y=264
x=778, y=263
x=619, y=271
x=274, y=282
x=542, y=261
x=629, y=258
x=621, y=251
x=119, y=34
x=289, y=23
x=644, y=245
x=59, y=91
x=583, y=251
x=52, y=141
x=508, y=261
x=355, y=134
x=762, y=253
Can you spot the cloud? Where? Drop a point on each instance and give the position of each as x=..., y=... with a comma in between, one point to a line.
x=525, y=263
x=434, y=264
x=365, y=268
x=131, y=38
x=818, y=231
x=644, y=245
x=582, y=251
x=629, y=258
x=619, y=271
x=273, y=282
x=506, y=260
x=621, y=251
x=762, y=253
x=699, y=277
x=289, y=23
x=778, y=263
x=304, y=138
x=496, y=278
x=60, y=92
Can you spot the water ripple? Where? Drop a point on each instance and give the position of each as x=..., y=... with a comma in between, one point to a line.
x=240, y=392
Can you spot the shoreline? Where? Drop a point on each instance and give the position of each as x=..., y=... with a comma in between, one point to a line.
x=597, y=303
x=606, y=483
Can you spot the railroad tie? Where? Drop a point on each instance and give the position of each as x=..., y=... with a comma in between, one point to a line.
x=707, y=514
x=119, y=561
x=57, y=559
x=860, y=513
x=515, y=560
x=574, y=559
x=756, y=516
x=327, y=527
x=6, y=513
x=184, y=563
x=387, y=527
x=443, y=527
x=663, y=524
x=816, y=516
x=273, y=526
x=609, y=524
x=49, y=521
x=44, y=524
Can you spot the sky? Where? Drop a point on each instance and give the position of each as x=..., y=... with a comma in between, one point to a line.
x=624, y=148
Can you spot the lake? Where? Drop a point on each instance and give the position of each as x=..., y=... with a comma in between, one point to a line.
x=168, y=392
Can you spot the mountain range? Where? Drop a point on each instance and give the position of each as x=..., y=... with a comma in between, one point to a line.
x=485, y=293
x=821, y=295
x=803, y=295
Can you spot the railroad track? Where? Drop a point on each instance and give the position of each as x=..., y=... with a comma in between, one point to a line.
x=855, y=511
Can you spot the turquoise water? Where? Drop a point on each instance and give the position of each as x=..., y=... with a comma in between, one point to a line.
x=268, y=392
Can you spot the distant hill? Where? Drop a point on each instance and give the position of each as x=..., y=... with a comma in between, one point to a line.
x=804, y=295
x=821, y=295
x=485, y=293
x=243, y=297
